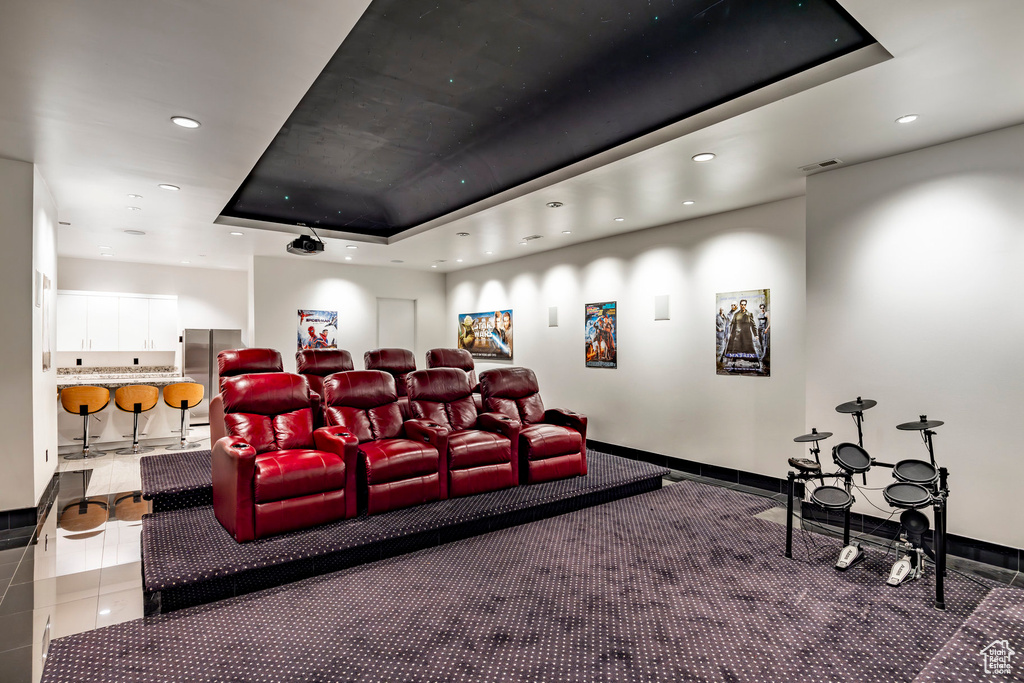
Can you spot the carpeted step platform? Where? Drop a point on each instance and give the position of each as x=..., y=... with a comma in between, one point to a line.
x=997, y=624
x=177, y=480
x=681, y=584
x=188, y=558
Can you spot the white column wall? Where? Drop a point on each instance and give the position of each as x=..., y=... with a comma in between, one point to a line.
x=664, y=396
x=282, y=286
x=915, y=271
x=44, y=384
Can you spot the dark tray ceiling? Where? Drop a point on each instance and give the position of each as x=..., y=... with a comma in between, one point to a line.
x=431, y=105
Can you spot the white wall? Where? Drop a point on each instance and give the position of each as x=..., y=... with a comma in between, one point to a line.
x=44, y=384
x=915, y=270
x=282, y=286
x=664, y=396
x=207, y=297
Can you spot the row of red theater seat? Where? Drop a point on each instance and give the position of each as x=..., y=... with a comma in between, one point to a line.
x=276, y=471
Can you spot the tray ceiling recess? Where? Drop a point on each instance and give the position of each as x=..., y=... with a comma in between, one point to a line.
x=429, y=106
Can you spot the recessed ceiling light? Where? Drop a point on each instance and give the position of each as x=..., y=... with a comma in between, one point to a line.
x=135, y=196
x=524, y=242
x=397, y=260
x=458, y=260
x=907, y=118
x=134, y=232
x=554, y=205
x=168, y=187
x=348, y=258
x=103, y=246
x=703, y=156
x=134, y=208
x=185, y=122
x=488, y=252
x=619, y=219
x=185, y=261
x=107, y=253
x=434, y=266
x=688, y=202
x=351, y=246
x=462, y=234
x=237, y=234
x=567, y=232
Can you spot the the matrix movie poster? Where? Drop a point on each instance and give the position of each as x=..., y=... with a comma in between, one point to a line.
x=487, y=335
x=743, y=333
x=600, y=335
x=318, y=330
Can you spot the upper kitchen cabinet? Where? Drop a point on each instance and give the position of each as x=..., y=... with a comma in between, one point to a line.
x=89, y=321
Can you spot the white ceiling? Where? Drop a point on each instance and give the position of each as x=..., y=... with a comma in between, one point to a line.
x=87, y=90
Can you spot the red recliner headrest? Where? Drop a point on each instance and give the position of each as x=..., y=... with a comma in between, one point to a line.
x=390, y=360
x=508, y=382
x=438, y=384
x=247, y=361
x=323, y=362
x=360, y=389
x=450, y=358
x=271, y=393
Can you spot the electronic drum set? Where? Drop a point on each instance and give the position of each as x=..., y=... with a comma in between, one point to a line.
x=919, y=484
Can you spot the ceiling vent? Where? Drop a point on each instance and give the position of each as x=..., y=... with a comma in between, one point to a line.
x=828, y=163
x=530, y=238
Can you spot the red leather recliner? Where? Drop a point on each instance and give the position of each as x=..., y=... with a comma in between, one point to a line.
x=482, y=448
x=400, y=462
x=461, y=359
x=274, y=473
x=315, y=364
x=552, y=443
x=231, y=364
x=398, y=363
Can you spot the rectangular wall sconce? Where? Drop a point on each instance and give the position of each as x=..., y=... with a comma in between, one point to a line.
x=553, y=316
x=661, y=307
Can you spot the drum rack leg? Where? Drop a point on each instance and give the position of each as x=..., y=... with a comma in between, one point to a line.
x=789, y=518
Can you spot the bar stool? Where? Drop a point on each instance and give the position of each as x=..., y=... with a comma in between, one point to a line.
x=183, y=396
x=84, y=401
x=136, y=399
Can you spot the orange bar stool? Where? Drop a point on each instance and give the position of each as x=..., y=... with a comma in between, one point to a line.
x=183, y=396
x=136, y=399
x=84, y=401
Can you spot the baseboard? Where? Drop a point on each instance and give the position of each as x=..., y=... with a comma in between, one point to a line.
x=30, y=517
x=985, y=552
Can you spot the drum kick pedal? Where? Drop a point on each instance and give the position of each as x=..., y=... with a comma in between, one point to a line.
x=850, y=556
x=909, y=567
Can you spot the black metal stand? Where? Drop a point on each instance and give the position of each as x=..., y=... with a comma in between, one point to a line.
x=789, y=517
x=940, y=540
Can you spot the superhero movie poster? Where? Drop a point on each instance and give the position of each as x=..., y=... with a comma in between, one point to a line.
x=487, y=335
x=743, y=333
x=318, y=330
x=600, y=336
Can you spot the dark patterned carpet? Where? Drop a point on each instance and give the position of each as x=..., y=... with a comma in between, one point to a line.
x=177, y=480
x=673, y=585
x=189, y=559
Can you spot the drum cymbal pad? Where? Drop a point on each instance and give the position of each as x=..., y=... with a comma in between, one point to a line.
x=804, y=464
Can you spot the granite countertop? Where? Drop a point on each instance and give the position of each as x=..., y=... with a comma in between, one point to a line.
x=120, y=380
x=119, y=370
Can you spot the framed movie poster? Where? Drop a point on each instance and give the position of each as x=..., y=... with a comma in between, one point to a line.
x=743, y=333
x=318, y=330
x=487, y=335
x=599, y=335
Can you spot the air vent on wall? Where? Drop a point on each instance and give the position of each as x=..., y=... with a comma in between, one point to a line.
x=530, y=238
x=828, y=163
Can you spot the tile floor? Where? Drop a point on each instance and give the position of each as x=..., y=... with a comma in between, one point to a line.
x=82, y=570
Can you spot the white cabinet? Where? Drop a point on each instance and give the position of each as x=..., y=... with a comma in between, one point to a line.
x=108, y=322
x=163, y=325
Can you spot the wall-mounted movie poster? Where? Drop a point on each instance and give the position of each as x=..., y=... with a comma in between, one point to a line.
x=743, y=333
x=487, y=335
x=600, y=336
x=318, y=330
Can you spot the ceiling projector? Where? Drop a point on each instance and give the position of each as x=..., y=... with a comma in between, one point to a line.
x=305, y=246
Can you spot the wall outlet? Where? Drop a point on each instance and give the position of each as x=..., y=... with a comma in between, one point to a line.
x=78, y=361
x=136, y=361
x=47, y=455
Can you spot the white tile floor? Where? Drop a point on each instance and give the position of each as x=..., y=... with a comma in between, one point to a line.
x=77, y=580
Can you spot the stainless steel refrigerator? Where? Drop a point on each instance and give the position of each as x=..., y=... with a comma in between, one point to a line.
x=199, y=357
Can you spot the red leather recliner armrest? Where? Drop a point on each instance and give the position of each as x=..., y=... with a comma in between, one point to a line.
x=341, y=441
x=437, y=436
x=572, y=420
x=507, y=427
x=218, y=430
x=233, y=464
